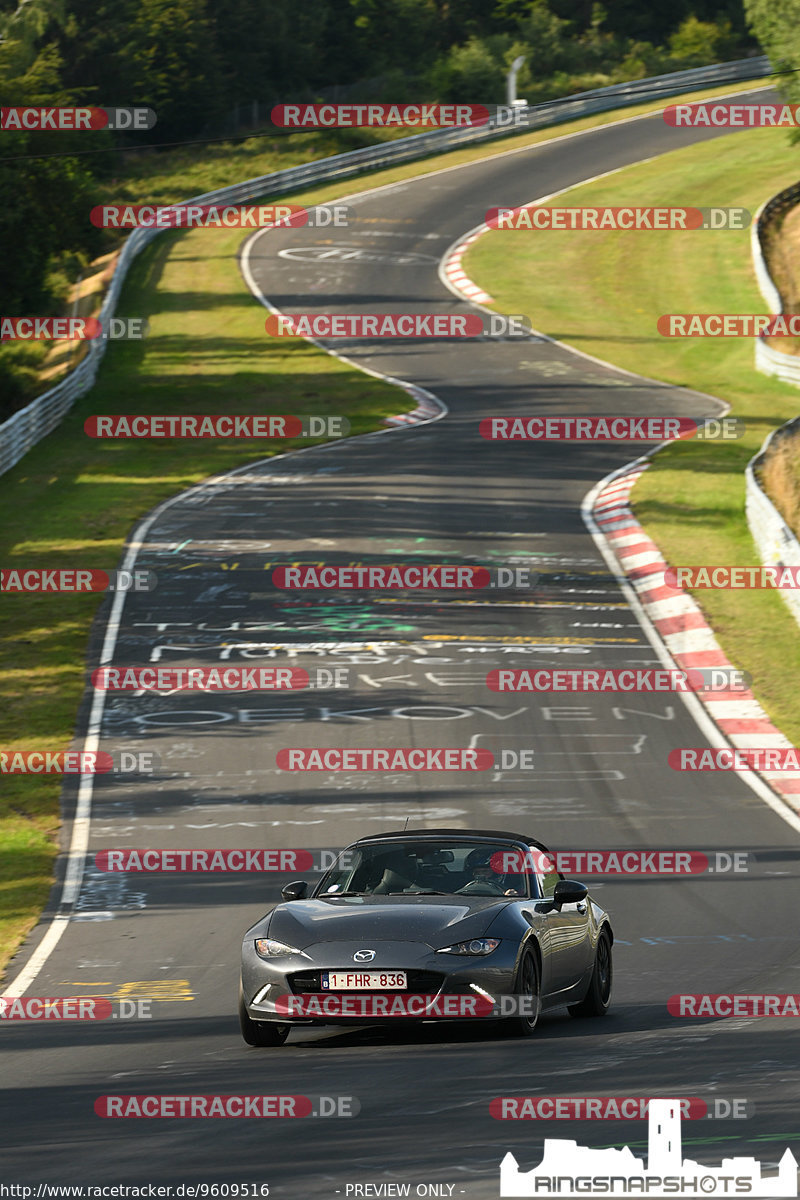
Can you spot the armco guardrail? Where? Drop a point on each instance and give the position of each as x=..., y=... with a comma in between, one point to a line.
x=775, y=542
x=42, y=415
x=768, y=360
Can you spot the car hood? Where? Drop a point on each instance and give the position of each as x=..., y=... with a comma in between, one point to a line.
x=303, y=923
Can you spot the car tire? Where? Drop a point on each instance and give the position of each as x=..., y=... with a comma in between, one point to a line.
x=528, y=984
x=598, y=998
x=260, y=1033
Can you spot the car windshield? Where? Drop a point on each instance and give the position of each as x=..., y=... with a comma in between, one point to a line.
x=446, y=867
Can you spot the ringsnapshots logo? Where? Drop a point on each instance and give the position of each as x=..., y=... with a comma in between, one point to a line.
x=225, y=426
x=540, y=217
x=78, y=329
x=609, y=429
x=398, y=325
x=568, y=1169
x=130, y=120
x=216, y=216
x=69, y=580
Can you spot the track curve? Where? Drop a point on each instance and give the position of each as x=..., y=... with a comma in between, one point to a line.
x=417, y=670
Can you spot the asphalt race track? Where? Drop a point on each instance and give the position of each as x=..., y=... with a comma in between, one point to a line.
x=417, y=666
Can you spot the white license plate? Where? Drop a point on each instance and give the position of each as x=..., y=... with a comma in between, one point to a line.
x=358, y=981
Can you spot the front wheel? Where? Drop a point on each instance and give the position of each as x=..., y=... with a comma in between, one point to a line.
x=260, y=1033
x=596, y=1001
x=527, y=993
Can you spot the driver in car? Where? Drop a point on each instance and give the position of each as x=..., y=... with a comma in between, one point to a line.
x=485, y=880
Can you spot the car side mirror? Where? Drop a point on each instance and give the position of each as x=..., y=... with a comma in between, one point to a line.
x=569, y=891
x=295, y=890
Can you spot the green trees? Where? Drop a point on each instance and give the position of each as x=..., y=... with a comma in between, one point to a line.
x=44, y=201
x=776, y=24
x=196, y=63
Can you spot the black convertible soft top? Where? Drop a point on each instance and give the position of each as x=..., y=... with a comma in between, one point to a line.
x=478, y=835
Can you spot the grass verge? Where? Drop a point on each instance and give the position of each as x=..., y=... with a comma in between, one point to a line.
x=691, y=501
x=780, y=478
x=780, y=471
x=72, y=500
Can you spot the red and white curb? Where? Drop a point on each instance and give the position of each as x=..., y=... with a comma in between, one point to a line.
x=455, y=274
x=428, y=407
x=673, y=623
x=684, y=631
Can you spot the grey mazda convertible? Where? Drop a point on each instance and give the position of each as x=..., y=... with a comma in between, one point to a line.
x=427, y=924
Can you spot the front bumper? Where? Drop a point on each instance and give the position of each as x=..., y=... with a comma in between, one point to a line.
x=429, y=973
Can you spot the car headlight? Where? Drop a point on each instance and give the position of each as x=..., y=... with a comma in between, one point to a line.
x=477, y=946
x=267, y=948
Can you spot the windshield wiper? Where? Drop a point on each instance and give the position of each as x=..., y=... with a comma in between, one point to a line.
x=421, y=892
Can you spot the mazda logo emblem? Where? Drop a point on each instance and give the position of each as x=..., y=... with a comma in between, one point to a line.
x=364, y=956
